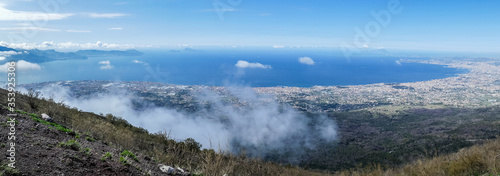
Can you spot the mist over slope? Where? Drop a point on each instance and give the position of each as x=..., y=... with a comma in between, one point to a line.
x=251, y=122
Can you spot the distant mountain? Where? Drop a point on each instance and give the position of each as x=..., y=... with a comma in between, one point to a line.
x=184, y=50
x=40, y=56
x=2, y=48
x=100, y=53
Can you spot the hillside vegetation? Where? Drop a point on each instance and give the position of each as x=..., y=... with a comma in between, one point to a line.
x=119, y=135
x=82, y=142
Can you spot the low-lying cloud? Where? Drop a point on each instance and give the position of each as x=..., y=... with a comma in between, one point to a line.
x=66, y=45
x=5, y=54
x=306, y=60
x=139, y=62
x=21, y=66
x=105, y=65
x=245, y=64
x=256, y=123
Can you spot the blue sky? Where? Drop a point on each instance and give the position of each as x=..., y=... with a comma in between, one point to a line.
x=455, y=26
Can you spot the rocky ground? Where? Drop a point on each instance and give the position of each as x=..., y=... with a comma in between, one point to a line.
x=43, y=149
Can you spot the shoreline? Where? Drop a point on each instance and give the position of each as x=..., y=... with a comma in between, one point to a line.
x=471, y=89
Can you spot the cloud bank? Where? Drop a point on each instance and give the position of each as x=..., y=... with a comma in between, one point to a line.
x=65, y=45
x=245, y=64
x=21, y=66
x=258, y=124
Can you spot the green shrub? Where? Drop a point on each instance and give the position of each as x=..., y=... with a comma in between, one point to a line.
x=123, y=160
x=71, y=144
x=129, y=154
x=90, y=139
x=107, y=155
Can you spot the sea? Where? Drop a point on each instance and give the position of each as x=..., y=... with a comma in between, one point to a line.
x=218, y=68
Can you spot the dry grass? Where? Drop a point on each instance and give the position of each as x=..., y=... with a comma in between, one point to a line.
x=477, y=160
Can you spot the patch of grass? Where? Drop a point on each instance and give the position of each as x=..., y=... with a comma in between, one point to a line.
x=129, y=154
x=90, y=139
x=71, y=144
x=123, y=160
x=107, y=155
x=87, y=151
x=7, y=170
x=38, y=119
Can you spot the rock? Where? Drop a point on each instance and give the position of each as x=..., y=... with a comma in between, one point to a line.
x=46, y=117
x=180, y=170
x=166, y=169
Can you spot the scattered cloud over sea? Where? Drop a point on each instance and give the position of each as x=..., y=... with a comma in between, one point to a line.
x=139, y=62
x=398, y=62
x=246, y=64
x=105, y=65
x=21, y=65
x=66, y=45
x=306, y=60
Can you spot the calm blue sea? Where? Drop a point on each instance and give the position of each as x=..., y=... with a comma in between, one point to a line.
x=218, y=68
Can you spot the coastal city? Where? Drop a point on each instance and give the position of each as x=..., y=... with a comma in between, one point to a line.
x=479, y=86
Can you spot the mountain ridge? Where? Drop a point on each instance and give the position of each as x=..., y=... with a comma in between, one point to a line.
x=41, y=56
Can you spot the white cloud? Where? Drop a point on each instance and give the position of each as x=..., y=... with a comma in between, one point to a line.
x=306, y=60
x=106, y=15
x=245, y=64
x=29, y=28
x=78, y=31
x=106, y=65
x=115, y=28
x=2, y=58
x=105, y=62
x=278, y=46
x=10, y=15
x=139, y=62
x=21, y=65
x=261, y=126
x=9, y=53
x=66, y=45
x=398, y=62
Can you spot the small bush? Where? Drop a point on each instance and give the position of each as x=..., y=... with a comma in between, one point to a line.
x=87, y=151
x=107, y=155
x=129, y=154
x=71, y=144
x=123, y=160
x=90, y=139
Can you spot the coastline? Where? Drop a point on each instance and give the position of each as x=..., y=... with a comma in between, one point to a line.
x=472, y=89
